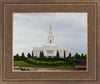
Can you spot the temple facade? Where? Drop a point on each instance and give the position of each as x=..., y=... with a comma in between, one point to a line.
x=50, y=49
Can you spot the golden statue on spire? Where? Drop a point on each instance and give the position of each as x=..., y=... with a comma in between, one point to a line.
x=50, y=27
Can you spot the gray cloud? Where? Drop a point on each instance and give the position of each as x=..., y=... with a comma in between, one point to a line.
x=31, y=30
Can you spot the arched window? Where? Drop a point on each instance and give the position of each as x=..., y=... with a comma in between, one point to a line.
x=50, y=41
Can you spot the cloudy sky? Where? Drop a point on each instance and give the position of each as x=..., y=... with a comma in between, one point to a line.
x=31, y=30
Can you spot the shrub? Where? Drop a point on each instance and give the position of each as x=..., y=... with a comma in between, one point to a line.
x=55, y=63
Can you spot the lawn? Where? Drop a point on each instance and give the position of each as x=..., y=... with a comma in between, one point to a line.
x=62, y=64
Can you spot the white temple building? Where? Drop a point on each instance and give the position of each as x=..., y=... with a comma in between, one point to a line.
x=50, y=49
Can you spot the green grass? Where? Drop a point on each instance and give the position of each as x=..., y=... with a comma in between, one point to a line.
x=43, y=64
x=37, y=62
x=33, y=60
x=21, y=63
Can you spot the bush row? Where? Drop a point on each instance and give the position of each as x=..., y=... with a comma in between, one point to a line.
x=55, y=63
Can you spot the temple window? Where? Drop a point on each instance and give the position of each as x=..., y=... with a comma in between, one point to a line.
x=50, y=41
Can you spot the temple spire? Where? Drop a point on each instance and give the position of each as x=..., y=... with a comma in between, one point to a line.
x=50, y=36
x=50, y=27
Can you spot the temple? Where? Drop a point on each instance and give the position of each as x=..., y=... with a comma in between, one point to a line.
x=50, y=49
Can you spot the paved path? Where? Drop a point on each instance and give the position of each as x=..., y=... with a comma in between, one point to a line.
x=36, y=69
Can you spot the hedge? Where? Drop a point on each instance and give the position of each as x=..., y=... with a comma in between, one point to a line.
x=55, y=63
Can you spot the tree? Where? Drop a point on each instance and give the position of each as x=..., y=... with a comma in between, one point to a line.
x=29, y=55
x=64, y=54
x=23, y=57
x=32, y=54
x=16, y=57
x=69, y=56
x=41, y=54
x=82, y=56
x=72, y=57
x=57, y=55
x=77, y=56
x=85, y=56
